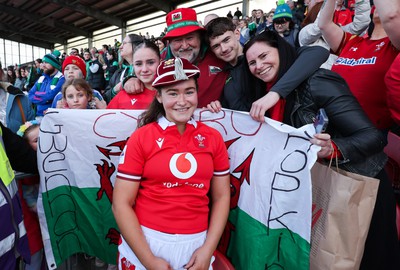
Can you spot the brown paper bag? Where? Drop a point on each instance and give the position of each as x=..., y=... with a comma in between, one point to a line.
x=343, y=203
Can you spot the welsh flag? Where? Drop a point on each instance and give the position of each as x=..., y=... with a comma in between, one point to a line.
x=269, y=224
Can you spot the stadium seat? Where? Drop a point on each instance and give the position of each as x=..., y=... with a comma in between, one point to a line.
x=393, y=170
x=221, y=262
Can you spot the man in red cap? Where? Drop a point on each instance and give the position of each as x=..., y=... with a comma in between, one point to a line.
x=185, y=36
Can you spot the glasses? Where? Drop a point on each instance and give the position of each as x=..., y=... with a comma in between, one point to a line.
x=280, y=21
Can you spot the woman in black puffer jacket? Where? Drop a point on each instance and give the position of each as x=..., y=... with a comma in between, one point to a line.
x=350, y=134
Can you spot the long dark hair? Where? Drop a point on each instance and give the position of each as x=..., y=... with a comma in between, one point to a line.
x=135, y=40
x=147, y=44
x=287, y=56
x=153, y=112
x=11, y=78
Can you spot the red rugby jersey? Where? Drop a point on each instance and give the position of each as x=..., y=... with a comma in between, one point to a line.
x=363, y=63
x=175, y=172
x=126, y=101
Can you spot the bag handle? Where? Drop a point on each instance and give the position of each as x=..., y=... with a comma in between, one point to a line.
x=337, y=160
x=21, y=110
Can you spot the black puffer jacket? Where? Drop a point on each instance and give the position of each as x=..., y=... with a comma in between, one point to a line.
x=96, y=75
x=118, y=76
x=360, y=143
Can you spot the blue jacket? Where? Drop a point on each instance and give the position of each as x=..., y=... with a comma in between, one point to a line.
x=44, y=90
x=13, y=113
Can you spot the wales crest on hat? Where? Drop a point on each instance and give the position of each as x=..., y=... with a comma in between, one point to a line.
x=176, y=16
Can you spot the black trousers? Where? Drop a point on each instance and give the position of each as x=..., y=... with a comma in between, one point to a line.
x=382, y=246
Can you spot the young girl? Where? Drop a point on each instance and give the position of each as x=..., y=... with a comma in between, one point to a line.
x=146, y=58
x=74, y=67
x=163, y=213
x=28, y=188
x=77, y=94
x=30, y=132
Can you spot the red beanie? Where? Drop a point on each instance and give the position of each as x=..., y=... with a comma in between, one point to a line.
x=75, y=60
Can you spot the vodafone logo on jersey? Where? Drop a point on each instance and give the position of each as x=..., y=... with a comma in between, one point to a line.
x=183, y=165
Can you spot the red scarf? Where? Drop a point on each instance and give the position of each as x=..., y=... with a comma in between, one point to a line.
x=277, y=111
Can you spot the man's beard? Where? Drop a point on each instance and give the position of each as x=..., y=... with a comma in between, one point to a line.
x=193, y=54
x=49, y=71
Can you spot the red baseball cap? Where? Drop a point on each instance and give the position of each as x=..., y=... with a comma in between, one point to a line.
x=181, y=21
x=174, y=70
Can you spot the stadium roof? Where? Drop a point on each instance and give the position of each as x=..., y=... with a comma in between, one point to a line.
x=44, y=23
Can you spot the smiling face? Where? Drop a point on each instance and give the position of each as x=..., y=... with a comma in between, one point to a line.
x=263, y=61
x=146, y=61
x=226, y=46
x=76, y=99
x=179, y=101
x=187, y=46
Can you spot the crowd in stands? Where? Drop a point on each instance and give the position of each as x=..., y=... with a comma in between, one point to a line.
x=284, y=63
